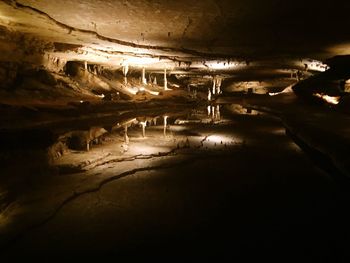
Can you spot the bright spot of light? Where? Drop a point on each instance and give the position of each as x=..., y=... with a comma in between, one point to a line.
x=155, y=93
x=214, y=138
x=220, y=64
x=131, y=90
x=101, y=96
x=220, y=139
x=213, y=141
x=329, y=99
x=315, y=65
x=286, y=90
x=139, y=61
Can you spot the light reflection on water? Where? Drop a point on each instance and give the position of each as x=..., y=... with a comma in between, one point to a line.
x=239, y=109
x=210, y=127
x=166, y=125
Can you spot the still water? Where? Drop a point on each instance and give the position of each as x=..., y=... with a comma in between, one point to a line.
x=219, y=181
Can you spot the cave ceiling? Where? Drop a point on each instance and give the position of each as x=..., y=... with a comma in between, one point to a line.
x=275, y=35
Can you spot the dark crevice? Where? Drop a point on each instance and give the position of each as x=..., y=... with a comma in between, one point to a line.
x=137, y=157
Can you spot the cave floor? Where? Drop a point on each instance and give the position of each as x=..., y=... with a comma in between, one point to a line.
x=236, y=187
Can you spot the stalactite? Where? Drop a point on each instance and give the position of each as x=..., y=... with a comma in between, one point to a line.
x=143, y=124
x=165, y=80
x=214, y=89
x=144, y=81
x=125, y=70
x=126, y=137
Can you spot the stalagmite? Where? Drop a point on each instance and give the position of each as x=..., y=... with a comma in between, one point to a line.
x=165, y=124
x=155, y=80
x=208, y=109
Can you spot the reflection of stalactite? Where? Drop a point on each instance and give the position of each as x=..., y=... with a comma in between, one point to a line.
x=165, y=125
x=214, y=111
x=217, y=115
x=218, y=85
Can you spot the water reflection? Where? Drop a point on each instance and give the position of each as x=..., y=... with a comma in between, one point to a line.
x=165, y=125
x=239, y=109
x=134, y=133
x=170, y=126
x=126, y=128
